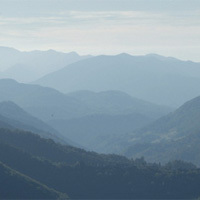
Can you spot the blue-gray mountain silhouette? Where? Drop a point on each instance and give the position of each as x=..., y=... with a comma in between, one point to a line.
x=154, y=78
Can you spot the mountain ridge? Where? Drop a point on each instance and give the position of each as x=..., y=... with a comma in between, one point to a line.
x=26, y=66
x=175, y=135
x=145, y=77
x=47, y=103
x=14, y=117
x=96, y=175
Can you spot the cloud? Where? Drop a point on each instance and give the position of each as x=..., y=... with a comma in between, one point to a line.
x=186, y=18
x=104, y=31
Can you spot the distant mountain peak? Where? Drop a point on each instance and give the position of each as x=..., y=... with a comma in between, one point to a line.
x=8, y=49
x=124, y=55
x=8, y=80
x=73, y=52
x=9, y=103
x=160, y=57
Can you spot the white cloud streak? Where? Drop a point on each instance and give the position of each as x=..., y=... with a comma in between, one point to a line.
x=105, y=31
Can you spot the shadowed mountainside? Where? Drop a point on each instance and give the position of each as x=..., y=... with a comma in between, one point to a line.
x=89, y=175
x=15, y=185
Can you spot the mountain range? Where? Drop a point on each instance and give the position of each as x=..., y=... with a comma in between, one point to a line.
x=83, y=116
x=31, y=166
x=96, y=132
x=134, y=134
x=153, y=78
x=114, y=102
x=29, y=66
x=47, y=103
x=174, y=136
x=104, y=127
x=14, y=117
x=43, y=103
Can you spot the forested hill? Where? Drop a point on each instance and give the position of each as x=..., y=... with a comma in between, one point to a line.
x=15, y=185
x=87, y=175
x=48, y=149
x=174, y=136
x=184, y=119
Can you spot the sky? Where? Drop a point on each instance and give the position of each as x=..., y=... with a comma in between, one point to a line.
x=137, y=27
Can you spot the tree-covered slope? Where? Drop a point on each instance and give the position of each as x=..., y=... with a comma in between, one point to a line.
x=50, y=150
x=184, y=119
x=176, y=135
x=15, y=185
x=129, y=179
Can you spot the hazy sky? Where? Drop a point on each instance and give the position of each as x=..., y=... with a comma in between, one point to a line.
x=166, y=27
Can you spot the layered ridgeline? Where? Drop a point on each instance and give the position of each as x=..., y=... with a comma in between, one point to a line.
x=114, y=102
x=99, y=132
x=175, y=136
x=47, y=103
x=86, y=175
x=29, y=66
x=153, y=78
x=114, y=113
x=84, y=117
x=43, y=103
x=14, y=117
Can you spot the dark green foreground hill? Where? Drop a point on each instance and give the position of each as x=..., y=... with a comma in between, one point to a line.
x=88, y=175
x=15, y=185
